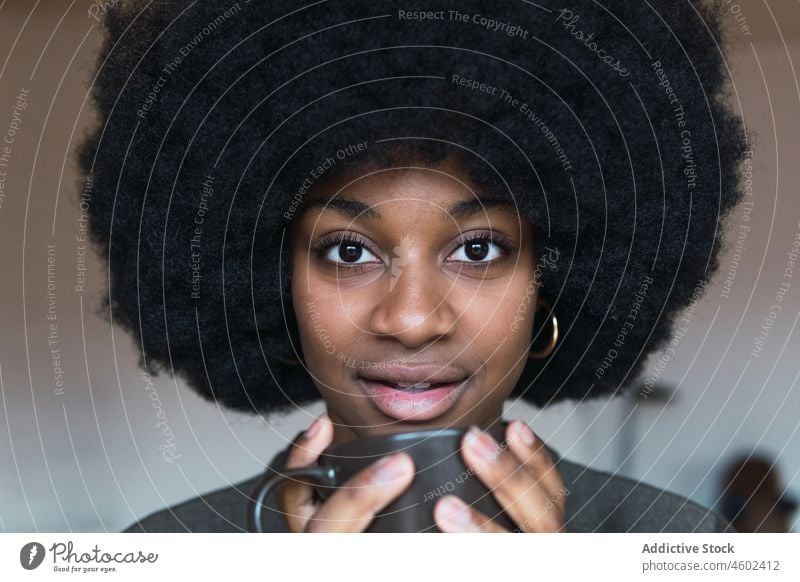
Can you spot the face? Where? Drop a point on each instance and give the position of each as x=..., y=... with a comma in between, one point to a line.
x=408, y=287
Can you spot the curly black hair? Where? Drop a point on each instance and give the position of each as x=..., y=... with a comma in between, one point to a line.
x=609, y=126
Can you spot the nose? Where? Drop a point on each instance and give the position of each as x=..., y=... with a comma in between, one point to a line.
x=416, y=308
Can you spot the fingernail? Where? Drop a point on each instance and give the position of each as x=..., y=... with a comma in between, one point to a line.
x=313, y=430
x=456, y=512
x=483, y=444
x=388, y=468
x=524, y=433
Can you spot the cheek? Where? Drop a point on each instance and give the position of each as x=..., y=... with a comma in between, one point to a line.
x=311, y=312
x=512, y=328
x=506, y=315
x=522, y=310
x=318, y=344
x=327, y=325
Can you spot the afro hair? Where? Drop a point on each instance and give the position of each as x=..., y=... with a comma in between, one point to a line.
x=608, y=126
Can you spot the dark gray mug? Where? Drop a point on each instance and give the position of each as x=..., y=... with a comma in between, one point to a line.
x=439, y=470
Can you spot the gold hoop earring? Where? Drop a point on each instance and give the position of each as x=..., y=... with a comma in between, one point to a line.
x=543, y=353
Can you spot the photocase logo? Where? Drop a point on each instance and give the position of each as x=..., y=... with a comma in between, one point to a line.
x=400, y=259
x=31, y=555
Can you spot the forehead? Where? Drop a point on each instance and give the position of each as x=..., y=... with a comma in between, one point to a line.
x=378, y=193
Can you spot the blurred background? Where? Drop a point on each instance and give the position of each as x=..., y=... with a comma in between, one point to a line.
x=79, y=447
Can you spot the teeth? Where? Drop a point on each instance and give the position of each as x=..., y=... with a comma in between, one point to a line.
x=421, y=386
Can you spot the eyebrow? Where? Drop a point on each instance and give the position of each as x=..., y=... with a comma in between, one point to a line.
x=355, y=209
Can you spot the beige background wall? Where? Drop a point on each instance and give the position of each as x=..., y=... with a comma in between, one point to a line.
x=85, y=456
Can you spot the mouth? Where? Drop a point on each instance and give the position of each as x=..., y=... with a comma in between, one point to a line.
x=414, y=400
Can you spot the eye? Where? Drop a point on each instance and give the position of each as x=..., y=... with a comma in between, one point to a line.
x=349, y=252
x=478, y=249
x=345, y=249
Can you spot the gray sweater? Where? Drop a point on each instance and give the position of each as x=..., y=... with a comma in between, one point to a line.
x=596, y=501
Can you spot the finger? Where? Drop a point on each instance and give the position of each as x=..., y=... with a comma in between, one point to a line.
x=531, y=452
x=521, y=493
x=296, y=498
x=311, y=443
x=354, y=505
x=452, y=515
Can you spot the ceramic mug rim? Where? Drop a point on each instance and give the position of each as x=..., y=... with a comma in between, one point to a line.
x=418, y=437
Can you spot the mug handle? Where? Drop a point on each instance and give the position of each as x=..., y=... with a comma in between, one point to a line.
x=325, y=476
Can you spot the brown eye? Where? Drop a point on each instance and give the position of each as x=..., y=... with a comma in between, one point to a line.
x=350, y=252
x=476, y=250
x=344, y=250
x=479, y=250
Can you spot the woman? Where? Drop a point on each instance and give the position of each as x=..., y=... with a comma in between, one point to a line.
x=413, y=214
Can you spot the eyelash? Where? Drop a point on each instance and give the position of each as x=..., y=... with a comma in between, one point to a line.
x=322, y=246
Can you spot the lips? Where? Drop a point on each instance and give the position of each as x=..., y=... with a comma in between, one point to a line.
x=414, y=387
x=430, y=374
x=416, y=396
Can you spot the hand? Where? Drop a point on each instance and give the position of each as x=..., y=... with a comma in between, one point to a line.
x=522, y=477
x=354, y=504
